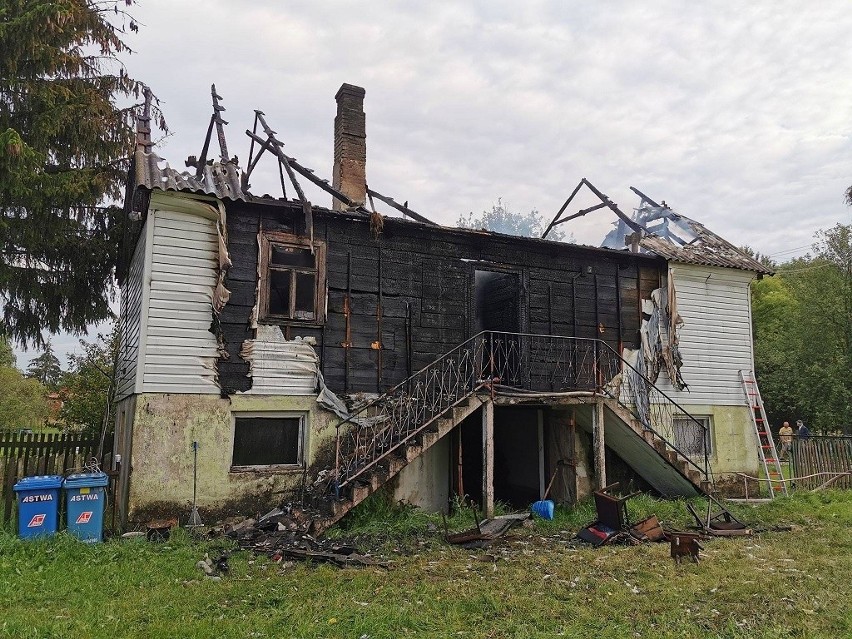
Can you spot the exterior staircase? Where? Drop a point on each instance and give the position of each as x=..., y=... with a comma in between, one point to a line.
x=679, y=461
x=391, y=464
x=383, y=436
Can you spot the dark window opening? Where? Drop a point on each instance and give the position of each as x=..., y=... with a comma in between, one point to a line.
x=279, y=292
x=305, y=292
x=268, y=441
x=291, y=256
x=692, y=438
x=292, y=278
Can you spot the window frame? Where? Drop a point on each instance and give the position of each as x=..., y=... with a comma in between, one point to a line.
x=268, y=240
x=302, y=440
x=707, y=420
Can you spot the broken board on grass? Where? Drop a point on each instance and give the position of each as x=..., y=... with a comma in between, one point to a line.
x=485, y=532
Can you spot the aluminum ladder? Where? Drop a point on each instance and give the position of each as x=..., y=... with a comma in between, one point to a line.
x=766, y=448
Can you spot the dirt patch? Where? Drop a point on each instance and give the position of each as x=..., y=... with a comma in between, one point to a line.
x=250, y=504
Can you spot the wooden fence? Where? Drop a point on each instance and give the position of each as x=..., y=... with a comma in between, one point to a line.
x=822, y=454
x=23, y=455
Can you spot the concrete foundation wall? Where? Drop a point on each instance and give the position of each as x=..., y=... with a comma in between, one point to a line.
x=164, y=428
x=425, y=482
x=734, y=441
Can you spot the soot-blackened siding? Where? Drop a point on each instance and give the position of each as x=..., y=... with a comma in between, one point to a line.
x=424, y=277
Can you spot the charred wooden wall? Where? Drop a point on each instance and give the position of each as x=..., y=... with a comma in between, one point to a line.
x=424, y=278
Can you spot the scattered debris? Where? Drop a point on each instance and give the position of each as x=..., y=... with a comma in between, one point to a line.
x=160, y=529
x=720, y=524
x=342, y=557
x=685, y=545
x=648, y=529
x=612, y=522
x=598, y=534
x=282, y=533
x=214, y=569
x=485, y=531
x=134, y=534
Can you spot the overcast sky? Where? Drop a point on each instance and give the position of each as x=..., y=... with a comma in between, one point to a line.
x=737, y=114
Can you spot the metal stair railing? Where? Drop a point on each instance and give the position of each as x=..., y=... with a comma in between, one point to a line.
x=660, y=414
x=549, y=363
x=505, y=363
x=386, y=423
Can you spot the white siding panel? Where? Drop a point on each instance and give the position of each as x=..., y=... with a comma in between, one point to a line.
x=715, y=339
x=280, y=366
x=181, y=352
x=130, y=321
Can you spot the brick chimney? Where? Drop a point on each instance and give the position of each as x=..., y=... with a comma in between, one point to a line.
x=350, y=146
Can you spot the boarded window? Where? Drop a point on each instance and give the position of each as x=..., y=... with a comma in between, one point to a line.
x=692, y=435
x=268, y=441
x=292, y=278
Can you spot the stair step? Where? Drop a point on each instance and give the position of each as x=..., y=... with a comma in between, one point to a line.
x=460, y=412
x=444, y=426
x=694, y=476
x=396, y=464
x=376, y=481
x=428, y=439
x=340, y=508
x=360, y=493
x=671, y=455
x=649, y=436
x=412, y=452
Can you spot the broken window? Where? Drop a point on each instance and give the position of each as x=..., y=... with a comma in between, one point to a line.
x=692, y=435
x=292, y=280
x=269, y=441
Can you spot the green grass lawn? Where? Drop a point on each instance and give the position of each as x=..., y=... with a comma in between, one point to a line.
x=536, y=582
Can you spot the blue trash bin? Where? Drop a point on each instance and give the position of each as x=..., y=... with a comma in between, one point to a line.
x=85, y=494
x=38, y=505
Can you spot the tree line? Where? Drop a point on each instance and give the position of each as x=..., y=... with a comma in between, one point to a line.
x=46, y=396
x=803, y=335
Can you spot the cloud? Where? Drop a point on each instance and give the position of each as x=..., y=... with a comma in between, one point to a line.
x=735, y=114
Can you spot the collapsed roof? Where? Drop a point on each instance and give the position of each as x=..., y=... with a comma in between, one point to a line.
x=654, y=229
x=658, y=230
x=680, y=239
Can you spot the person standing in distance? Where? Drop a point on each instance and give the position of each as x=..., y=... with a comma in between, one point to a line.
x=786, y=434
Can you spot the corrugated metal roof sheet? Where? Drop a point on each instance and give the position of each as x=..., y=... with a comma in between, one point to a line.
x=676, y=237
x=221, y=180
x=707, y=249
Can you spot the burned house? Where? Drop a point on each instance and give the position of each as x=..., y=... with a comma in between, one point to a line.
x=335, y=351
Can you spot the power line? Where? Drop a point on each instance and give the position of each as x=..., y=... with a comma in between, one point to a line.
x=784, y=271
x=792, y=250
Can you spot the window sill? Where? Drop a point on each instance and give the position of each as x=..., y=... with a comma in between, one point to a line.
x=279, y=469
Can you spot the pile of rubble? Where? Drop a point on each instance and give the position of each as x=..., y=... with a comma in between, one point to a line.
x=282, y=533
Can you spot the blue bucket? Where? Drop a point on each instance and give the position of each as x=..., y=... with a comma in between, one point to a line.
x=543, y=509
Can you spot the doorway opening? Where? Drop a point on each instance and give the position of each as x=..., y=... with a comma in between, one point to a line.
x=497, y=301
x=519, y=460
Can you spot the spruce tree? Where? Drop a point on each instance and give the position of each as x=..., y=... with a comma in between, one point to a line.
x=45, y=368
x=7, y=355
x=66, y=133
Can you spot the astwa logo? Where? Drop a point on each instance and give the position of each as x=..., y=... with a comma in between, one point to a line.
x=84, y=517
x=36, y=521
